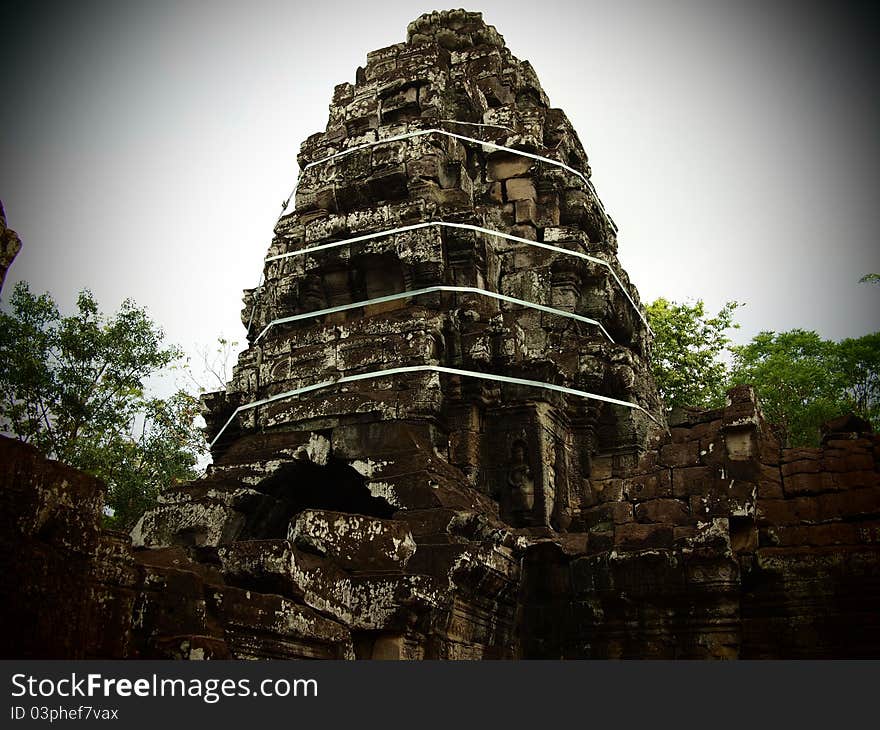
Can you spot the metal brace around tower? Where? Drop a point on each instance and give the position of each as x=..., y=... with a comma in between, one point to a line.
x=471, y=140
x=430, y=368
x=467, y=227
x=429, y=290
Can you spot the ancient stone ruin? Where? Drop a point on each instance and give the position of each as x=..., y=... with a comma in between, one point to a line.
x=10, y=245
x=443, y=439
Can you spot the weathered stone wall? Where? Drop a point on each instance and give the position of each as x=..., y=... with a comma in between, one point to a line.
x=66, y=586
x=717, y=543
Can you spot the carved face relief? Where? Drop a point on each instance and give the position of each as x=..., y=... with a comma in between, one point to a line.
x=312, y=296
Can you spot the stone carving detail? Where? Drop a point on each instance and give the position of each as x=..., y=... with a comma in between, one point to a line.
x=521, y=486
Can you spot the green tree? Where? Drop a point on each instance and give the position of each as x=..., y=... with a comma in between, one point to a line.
x=798, y=378
x=858, y=361
x=74, y=388
x=688, y=344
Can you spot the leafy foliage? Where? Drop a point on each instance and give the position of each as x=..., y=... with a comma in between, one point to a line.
x=801, y=379
x=798, y=380
x=859, y=363
x=74, y=388
x=687, y=363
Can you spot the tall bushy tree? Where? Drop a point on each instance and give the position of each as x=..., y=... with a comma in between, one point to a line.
x=688, y=344
x=858, y=361
x=803, y=380
x=74, y=388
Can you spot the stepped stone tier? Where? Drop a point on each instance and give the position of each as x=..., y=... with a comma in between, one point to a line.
x=466, y=456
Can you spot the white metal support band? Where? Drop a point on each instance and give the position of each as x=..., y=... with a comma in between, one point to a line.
x=467, y=227
x=430, y=368
x=463, y=138
x=429, y=290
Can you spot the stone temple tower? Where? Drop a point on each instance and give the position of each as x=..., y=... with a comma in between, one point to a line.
x=443, y=331
x=447, y=276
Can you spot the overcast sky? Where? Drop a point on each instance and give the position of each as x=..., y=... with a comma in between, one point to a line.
x=145, y=148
